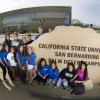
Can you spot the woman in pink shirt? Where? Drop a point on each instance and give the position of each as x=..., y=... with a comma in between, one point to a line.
x=82, y=73
x=82, y=81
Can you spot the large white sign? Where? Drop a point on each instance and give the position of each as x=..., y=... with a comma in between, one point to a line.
x=71, y=44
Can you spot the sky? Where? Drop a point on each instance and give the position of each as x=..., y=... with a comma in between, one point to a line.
x=88, y=11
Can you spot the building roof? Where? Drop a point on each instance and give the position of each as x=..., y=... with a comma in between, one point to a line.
x=37, y=9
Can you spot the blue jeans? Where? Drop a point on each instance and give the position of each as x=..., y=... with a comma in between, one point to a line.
x=62, y=82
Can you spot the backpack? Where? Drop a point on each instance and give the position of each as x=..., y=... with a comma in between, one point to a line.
x=79, y=88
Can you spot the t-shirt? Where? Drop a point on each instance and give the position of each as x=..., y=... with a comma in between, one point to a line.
x=32, y=58
x=1, y=54
x=22, y=59
x=10, y=57
x=66, y=74
x=53, y=74
x=5, y=53
x=16, y=43
x=44, y=70
x=80, y=75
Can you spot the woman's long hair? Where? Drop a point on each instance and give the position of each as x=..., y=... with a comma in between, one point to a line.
x=85, y=70
x=30, y=47
x=14, y=54
x=21, y=53
x=53, y=62
x=73, y=66
x=39, y=63
x=4, y=48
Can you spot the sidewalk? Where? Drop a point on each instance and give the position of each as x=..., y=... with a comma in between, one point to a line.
x=35, y=91
x=39, y=92
x=59, y=92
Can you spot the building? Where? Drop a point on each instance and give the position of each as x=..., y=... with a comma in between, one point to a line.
x=30, y=18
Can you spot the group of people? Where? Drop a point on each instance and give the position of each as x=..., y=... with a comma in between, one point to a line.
x=14, y=55
x=19, y=60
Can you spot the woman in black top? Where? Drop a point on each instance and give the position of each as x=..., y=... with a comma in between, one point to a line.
x=67, y=76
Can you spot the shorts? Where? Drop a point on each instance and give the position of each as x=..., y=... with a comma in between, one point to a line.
x=30, y=67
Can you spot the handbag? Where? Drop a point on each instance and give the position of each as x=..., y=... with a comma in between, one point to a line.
x=79, y=88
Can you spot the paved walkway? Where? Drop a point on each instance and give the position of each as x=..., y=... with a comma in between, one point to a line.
x=39, y=92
